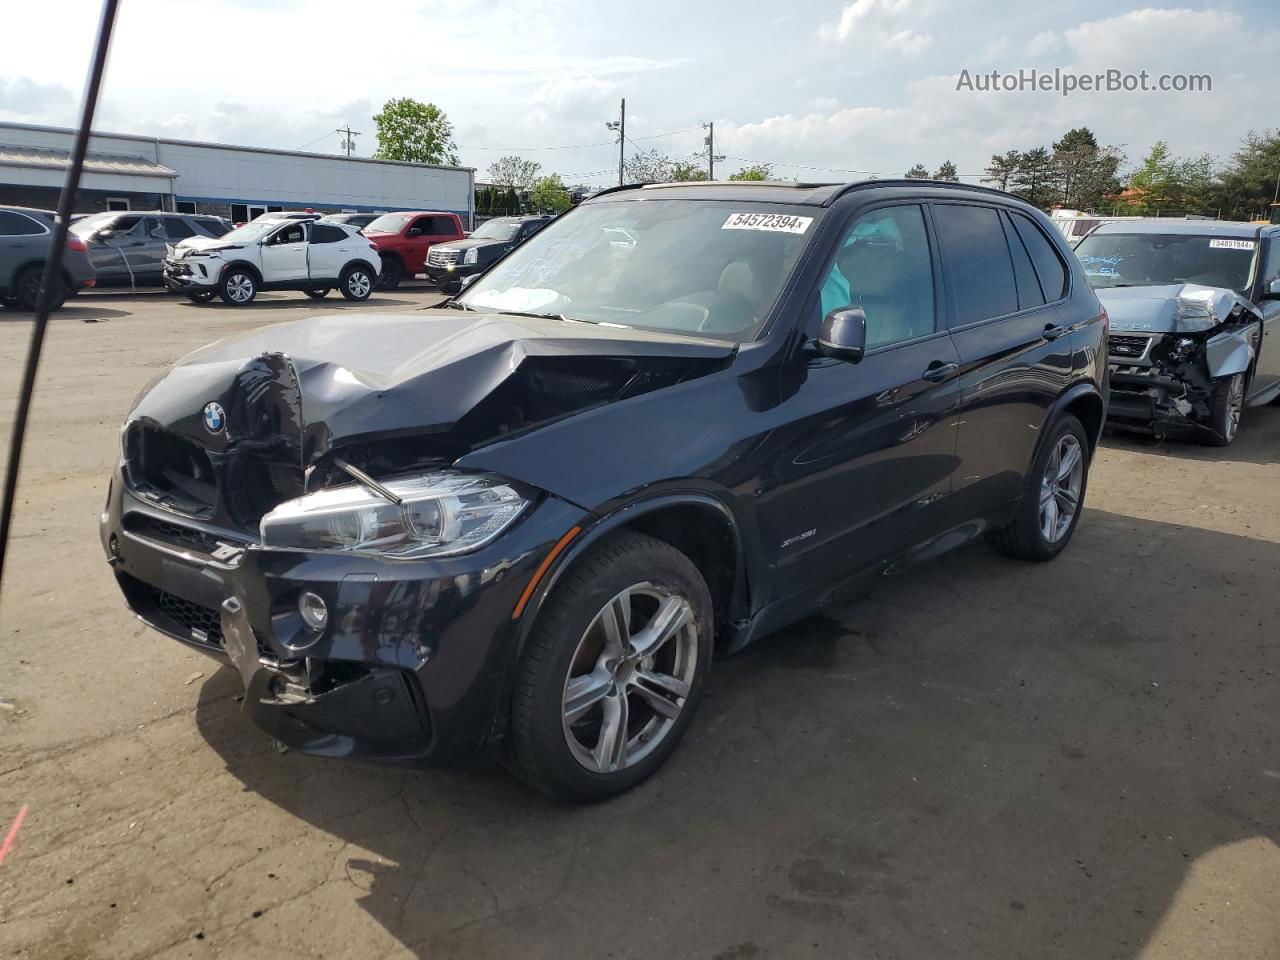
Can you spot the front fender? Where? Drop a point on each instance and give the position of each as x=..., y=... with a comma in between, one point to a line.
x=1229, y=353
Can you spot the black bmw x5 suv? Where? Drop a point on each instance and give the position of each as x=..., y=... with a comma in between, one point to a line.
x=675, y=420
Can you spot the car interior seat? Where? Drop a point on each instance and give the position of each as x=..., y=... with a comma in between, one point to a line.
x=880, y=284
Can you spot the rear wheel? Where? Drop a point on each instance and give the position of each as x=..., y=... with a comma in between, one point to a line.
x=1052, y=496
x=1226, y=407
x=238, y=287
x=27, y=289
x=391, y=274
x=318, y=294
x=356, y=283
x=613, y=670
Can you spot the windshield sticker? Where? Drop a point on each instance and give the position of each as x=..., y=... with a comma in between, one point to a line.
x=1102, y=266
x=1221, y=244
x=775, y=222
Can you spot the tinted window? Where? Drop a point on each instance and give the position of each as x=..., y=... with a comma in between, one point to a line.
x=977, y=259
x=883, y=266
x=177, y=229
x=17, y=225
x=154, y=230
x=327, y=233
x=444, y=227
x=1029, y=292
x=124, y=224
x=215, y=228
x=1049, y=267
x=239, y=212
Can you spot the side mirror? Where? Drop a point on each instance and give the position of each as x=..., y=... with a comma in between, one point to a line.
x=844, y=334
x=468, y=280
x=1273, y=290
x=106, y=234
x=414, y=232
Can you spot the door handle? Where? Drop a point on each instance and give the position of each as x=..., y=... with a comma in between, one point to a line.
x=1054, y=330
x=939, y=371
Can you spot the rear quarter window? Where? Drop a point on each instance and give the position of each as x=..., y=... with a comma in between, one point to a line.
x=1049, y=266
x=327, y=233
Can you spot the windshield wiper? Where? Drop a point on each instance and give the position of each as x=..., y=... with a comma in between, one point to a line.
x=545, y=316
x=457, y=305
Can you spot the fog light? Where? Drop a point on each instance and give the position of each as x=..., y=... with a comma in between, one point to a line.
x=314, y=611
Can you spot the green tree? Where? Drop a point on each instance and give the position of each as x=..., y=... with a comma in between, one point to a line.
x=648, y=167
x=918, y=172
x=759, y=171
x=1002, y=168
x=1031, y=181
x=683, y=172
x=947, y=172
x=515, y=172
x=414, y=131
x=1247, y=184
x=549, y=195
x=1082, y=172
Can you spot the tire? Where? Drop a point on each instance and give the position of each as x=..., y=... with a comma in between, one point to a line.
x=238, y=287
x=1026, y=538
x=200, y=296
x=573, y=760
x=391, y=274
x=356, y=283
x=319, y=294
x=26, y=289
x=9, y=303
x=451, y=287
x=1226, y=407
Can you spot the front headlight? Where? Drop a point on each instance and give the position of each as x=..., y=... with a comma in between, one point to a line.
x=439, y=514
x=472, y=255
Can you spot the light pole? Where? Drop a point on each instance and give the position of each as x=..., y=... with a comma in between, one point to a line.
x=620, y=127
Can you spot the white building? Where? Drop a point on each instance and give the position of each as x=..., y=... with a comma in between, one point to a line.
x=126, y=172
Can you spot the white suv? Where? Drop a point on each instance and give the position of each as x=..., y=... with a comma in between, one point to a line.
x=274, y=254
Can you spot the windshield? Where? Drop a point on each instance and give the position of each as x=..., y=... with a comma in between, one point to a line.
x=1149, y=259
x=496, y=230
x=389, y=223
x=699, y=267
x=254, y=230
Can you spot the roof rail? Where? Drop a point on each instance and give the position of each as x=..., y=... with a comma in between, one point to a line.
x=920, y=182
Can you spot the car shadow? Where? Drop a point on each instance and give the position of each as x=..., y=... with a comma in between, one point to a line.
x=1257, y=442
x=980, y=758
x=73, y=310
x=286, y=302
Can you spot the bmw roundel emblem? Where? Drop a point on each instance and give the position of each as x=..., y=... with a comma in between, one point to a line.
x=215, y=418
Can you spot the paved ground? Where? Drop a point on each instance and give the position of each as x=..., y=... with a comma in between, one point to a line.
x=982, y=759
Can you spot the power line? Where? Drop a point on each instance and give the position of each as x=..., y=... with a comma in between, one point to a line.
x=582, y=146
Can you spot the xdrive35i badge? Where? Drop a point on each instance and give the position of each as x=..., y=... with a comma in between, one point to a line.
x=215, y=418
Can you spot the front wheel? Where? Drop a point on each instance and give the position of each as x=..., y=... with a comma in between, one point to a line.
x=356, y=283
x=1052, y=496
x=238, y=287
x=391, y=274
x=613, y=670
x=1226, y=407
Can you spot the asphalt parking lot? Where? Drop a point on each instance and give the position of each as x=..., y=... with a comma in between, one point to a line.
x=980, y=759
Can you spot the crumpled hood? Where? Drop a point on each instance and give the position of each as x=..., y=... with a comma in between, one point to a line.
x=1168, y=308
x=201, y=243
x=337, y=378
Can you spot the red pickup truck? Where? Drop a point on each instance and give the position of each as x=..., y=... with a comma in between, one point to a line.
x=403, y=239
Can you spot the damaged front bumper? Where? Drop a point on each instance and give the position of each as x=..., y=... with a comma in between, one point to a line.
x=182, y=275
x=412, y=663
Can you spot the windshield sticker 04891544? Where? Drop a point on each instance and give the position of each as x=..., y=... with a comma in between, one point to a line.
x=777, y=222
x=1221, y=243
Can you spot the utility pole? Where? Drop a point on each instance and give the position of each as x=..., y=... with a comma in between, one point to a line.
x=348, y=143
x=710, y=141
x=619, y=127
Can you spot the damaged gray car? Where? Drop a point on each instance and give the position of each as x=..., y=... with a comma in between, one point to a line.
x=1194, y=309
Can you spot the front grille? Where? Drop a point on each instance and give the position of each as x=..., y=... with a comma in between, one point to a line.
x=203, y=624
x=170, y=470
x=442, y=258
x=1126, y=347
x=176, y=534
x=267, y=484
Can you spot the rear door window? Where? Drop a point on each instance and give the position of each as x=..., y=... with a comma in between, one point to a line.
x=175, y=228
x=976, y=256
x=327, y=233
x=18, y=225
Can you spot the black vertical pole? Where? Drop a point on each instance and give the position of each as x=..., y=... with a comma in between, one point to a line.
x=622, y=138
x=53, y=270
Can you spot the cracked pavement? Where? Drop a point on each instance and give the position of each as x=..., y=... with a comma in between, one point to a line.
x=980, y=758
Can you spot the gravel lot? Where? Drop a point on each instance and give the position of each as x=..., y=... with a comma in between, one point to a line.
x=981, y=759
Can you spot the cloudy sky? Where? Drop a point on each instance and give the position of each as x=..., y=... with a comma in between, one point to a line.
x=819, y=88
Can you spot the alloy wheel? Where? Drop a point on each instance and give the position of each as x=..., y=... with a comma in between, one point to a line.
x=359, y=284
x=1060, y=488
x=240, y=288
x=629, y=678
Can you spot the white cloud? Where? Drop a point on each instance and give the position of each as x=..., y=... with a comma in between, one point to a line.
x=1042, y=43
x=994, y=49
x=823, y=104
x=24, y=97
x=883, y=24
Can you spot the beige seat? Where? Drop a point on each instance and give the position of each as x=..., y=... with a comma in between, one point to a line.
x=880, y=285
